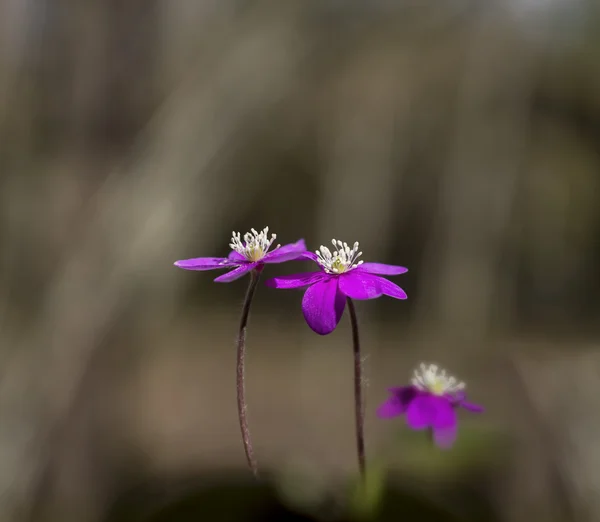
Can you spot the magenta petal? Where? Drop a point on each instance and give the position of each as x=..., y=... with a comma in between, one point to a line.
x=469, y=406
x=382, y=269
x=390, y=408
x=240, y=271
x=398, y=403
x=421, y=412
x=359, y=285
x=310, y=255
x=445, y=424
x=286, y=253
x=204, y=263
x=295, y=280
x=459, y=399
x=389, y=288
x=236, y=257
x=323, y=305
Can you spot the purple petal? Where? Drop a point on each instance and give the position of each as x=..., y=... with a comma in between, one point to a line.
x=469, y=406
x=445, y=423
x=421, y=412
x=390, y=289
x=286, y=253
x=204, y=263
x=382, y=269
x=359, y=285
x=460, y=399
x=295, y=280
x=310, y=255
x=236, y=274
x=390, y=408
x=236, y=257
x=398, y=402
x=323, y=305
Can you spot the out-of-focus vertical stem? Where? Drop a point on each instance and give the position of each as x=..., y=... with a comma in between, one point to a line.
x=358, y=395
x=241, y=373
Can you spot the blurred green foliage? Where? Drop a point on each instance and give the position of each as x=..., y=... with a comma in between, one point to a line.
x=366, y=499
x=479, y=446
x=237, y=499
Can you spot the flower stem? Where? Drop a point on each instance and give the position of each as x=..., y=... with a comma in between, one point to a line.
x=241, y=364
x=358, y=396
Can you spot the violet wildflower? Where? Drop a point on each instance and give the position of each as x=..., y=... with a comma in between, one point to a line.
x=430, y=403
x=247, y=256
x=342, y=278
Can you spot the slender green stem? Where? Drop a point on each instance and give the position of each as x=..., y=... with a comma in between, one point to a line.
x=359, y=410
x=241, y=364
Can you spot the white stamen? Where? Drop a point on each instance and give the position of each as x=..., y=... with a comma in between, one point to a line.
x=255, y=245
x=341, y=260
x=435, y=380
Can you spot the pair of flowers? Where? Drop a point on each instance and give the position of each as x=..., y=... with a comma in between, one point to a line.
x=429, y=402
x=341, y=274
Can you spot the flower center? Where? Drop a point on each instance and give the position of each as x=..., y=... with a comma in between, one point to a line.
x=341, y=260
x=255, y=244
x=435, y=380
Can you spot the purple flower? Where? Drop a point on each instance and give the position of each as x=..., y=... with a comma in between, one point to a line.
x=247, y=255
x=341, y=276
x=430, y=402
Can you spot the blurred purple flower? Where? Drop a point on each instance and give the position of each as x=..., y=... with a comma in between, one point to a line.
x=430, y=402
x=247, y=255
x=341, y=276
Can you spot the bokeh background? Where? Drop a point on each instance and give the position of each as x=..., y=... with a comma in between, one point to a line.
x=459, y=138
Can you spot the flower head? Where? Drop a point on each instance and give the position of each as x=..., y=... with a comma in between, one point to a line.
x=430, y=402
x=341, y=275
x=343, y=258
x=247, y=253
x=256, y=245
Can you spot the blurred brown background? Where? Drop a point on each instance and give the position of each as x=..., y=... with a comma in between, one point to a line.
x=458, y=138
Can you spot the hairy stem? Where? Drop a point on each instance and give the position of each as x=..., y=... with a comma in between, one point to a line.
x=358, y=395
x=241, y=365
